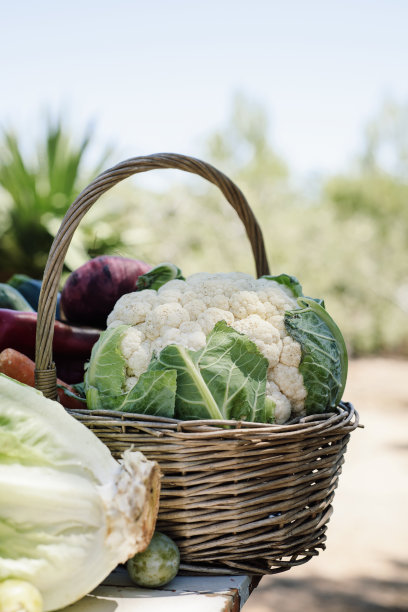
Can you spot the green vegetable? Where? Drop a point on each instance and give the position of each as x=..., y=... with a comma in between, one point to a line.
x=19, y=596
x=247, y=367
x=269, y=410
x=291, y=282
x=12, y=299
x=69, y=513
x=105, y=377
x=157, y=565
x=224, y=380
x=158, y=276
x=324, y=354
x=30, y=289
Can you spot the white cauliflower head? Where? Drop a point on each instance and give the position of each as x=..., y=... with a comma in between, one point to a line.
x=183, y=312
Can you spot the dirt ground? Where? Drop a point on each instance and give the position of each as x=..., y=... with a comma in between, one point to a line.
x=365, y=565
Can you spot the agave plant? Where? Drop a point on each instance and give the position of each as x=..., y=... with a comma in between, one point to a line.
x=35, y=192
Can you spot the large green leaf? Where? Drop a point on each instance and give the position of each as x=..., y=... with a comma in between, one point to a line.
x=105, y=378
x=154, y=393
x=291, y=282
x=159, y=276
x=105, y=373
x=324, y=354
x=224, y=380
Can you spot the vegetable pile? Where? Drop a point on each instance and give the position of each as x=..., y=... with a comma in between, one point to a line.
x=145, y=340
x=87, y=297
x=72, y=344
x=211, y=346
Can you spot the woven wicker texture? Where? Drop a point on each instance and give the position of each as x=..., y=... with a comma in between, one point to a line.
x=249, y=498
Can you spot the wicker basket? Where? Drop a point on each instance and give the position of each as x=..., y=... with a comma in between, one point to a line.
x=251, y=498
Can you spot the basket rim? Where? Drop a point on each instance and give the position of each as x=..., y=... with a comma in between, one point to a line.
x=344, y=417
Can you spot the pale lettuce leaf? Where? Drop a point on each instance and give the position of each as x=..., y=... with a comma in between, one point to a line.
x=69, y=512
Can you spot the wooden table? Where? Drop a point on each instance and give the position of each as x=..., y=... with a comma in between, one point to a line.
x=183, y=594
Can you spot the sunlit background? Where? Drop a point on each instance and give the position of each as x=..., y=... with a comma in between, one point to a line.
x=305, y=106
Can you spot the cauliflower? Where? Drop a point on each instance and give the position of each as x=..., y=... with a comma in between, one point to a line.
x=183, y=312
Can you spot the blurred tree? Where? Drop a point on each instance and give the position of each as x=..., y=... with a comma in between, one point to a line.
x=190, y=222
x=243, y=150
x=347, y=244
x=37, y=191
x=372, y=202
x=386, y=141
x=243, y=145
x=378, y=186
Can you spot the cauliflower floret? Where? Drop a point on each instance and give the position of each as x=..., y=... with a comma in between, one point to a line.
x=130, y=381
x=132, y=308
x=278, y=322
x=219, y=301
x=188, y=296
x=211, y=316
x=291, y=352
x=174, y=285
x=173, y=291
x=289, y=381
x=257, y=329
x=193, y=342
x=207, y=285
x=209, y=288
x=131, y=342
x=139, y=360
x=190, y=327
x=169, y=335
x=269, y=308
x=276, y=296
x=189, y=335
x=170, y=315
x=166, y=297
x=263, y=334
x=282, y=404
x=199, y=277
x=192, y=335
x=245, y=303
x=195, y=308
x=274, y=286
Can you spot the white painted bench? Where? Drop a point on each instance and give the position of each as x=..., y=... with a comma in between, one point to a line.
x=184, y=593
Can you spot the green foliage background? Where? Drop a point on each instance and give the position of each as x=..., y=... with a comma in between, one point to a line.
x=346, y=239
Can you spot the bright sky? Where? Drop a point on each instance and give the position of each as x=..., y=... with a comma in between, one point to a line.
x=159, y=76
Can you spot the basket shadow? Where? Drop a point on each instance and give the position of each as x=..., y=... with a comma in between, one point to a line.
x=315, y=594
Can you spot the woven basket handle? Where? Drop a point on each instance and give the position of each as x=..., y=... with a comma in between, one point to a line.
x=45, y=372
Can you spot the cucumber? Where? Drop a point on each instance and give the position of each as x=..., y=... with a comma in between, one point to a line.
x=30, y=289
x=12, y=299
